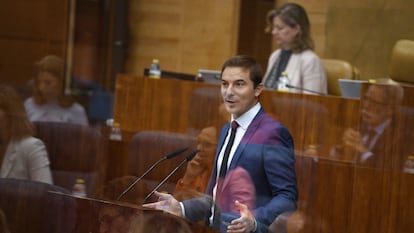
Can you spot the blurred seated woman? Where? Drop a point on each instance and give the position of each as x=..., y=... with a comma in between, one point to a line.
x=22, y=156
x=290, y=28
x=48, y=103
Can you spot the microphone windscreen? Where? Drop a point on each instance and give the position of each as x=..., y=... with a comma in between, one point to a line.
x=176, y=153
x=192, y=155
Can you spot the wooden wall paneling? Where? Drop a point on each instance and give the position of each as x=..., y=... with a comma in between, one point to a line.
x=403, y=175
x=184, y=35
x=37, y=29
x=18, y=57
x=288, y=109
x=88, y=41
x=371, y=199
x=401, y=213
x=329, y=208
x=305, y=170
x=148, y=104
x=343, y=114
x=364, y=32
x=252, y=38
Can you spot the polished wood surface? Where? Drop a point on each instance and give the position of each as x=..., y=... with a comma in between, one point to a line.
x=89, y=217
x=33, y=207
x=336, y=193
x=187, y=107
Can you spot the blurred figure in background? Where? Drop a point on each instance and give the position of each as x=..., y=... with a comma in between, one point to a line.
x=48, y=102
x=290, y=28
x=198, y=170
x=22, y=156
x=371, y=144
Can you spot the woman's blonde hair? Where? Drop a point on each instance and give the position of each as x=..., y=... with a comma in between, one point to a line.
x=56, y=67
x=293, y=14
x=11, y=103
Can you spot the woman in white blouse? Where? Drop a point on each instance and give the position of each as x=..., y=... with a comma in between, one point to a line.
x=290, y=28
x=48, y=103
x=22, y=156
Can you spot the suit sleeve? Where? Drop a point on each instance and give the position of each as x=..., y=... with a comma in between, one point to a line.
x=279, y=166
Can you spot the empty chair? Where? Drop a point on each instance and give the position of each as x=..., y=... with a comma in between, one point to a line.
x=338, y=69
x=402, y=60
x=146, y=147
x=75, y=151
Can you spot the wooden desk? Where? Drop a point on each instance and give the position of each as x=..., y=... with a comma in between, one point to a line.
x=187, y=107
x=336, y=194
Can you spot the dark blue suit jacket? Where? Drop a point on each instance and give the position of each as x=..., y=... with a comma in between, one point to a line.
x=266, y=152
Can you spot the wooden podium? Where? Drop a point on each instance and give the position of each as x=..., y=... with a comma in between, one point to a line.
x=88, y=214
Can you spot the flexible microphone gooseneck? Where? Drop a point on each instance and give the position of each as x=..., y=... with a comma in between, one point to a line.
x=304, y=89
x=169, y=156
x=187, y=159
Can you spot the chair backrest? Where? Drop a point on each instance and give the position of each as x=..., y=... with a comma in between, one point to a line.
x=75, y=151
x=337, y=69
x=29, y=207
x=402, y=60
x=146, y=147
x=204, y=105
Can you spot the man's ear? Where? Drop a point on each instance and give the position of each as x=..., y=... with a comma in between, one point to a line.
x=258, y=89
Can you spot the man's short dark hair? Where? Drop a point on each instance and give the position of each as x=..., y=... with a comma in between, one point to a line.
x=248, y=63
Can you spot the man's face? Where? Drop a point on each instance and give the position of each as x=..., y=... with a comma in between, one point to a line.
x=206, y=143
x=238, y=91
x=112, y=221
x=376, y=106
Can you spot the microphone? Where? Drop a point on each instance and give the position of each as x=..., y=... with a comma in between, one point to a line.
x=187, y=159
x=169, y=156
x=304, y=89
x=297, y=88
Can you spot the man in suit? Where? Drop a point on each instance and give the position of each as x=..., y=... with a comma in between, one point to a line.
x=372, y=144
x=262, y=146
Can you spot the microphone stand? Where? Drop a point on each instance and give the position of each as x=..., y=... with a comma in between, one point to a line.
x=149, y=170
x=188, y=158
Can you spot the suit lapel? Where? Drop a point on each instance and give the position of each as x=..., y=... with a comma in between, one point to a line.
x=245, y=141
x=222, y=137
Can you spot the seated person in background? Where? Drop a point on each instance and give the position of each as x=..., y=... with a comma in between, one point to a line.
x=370, y=144
x=22, y=156
x=198, y=170
x=48, y=103
x=290, y=28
